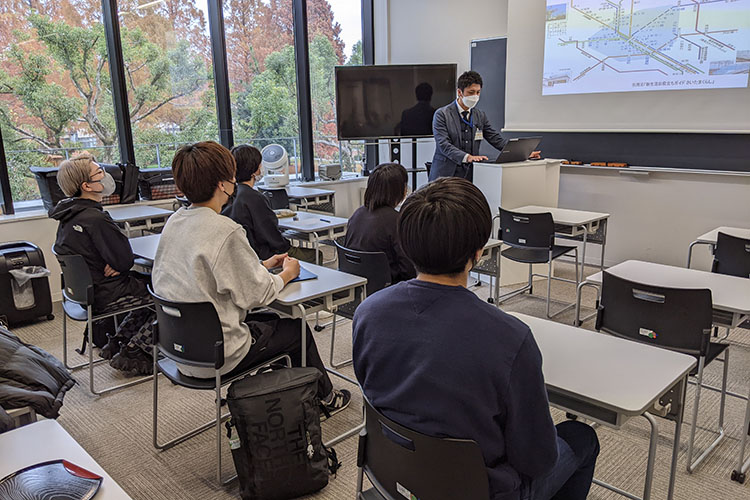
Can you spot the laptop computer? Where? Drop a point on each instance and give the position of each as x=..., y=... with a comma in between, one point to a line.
x=518, y=149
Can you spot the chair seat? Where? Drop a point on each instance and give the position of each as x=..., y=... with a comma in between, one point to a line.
x=535, y=256
x=169, y=369
x=74, y=311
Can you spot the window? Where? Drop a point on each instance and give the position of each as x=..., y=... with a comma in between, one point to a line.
x=168, y=72
x=54, y=93
x=335, y=38
x=262, y=77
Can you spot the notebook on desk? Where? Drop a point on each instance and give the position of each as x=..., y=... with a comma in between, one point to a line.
x=304, y=274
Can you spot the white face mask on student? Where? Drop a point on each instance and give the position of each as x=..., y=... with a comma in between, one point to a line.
x=108, y=185
x=258, y=175
x=470, y=100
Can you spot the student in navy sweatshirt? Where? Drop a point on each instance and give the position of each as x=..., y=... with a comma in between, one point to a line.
x=434, y=357
x=372, y=227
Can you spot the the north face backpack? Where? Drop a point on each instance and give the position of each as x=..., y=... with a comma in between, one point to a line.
x=275, y=437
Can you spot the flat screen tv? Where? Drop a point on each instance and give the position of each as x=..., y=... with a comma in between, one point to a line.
x=392, y=101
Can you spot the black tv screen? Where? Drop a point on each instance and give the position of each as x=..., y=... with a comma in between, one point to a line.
x=391, y=101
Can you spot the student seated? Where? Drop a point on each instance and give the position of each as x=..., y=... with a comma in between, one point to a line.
x=87, y=230
x=436, y=358
x=250, y=209
x=205, y=257
x=372, y=227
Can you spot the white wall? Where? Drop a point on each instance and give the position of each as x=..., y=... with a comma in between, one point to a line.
x=653, y=218
x=432, y=32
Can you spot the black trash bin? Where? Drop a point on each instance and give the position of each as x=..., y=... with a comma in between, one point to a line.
x=28, y=302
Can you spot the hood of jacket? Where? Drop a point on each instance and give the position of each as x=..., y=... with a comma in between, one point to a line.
x=70, y=207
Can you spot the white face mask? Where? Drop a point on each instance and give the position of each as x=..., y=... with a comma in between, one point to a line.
x=108, y=185
x=258, y=175
x=470, y=100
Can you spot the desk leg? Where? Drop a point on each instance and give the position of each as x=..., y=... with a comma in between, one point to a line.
x=653, y=441
x=604, y=245
x=583, y=256
x=690, y=253
x=498, y=257
x=676, y=443
x=303, y=361
x=742, y=466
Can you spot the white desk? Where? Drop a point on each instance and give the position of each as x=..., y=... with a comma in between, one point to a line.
x=47, y=440
x=489, y=265
x=148, y=216
x=331, y=289
x=313, y=199
x=313, y=228
x=609, y=380
x=588, y=227
x=711, y=237
x=145, y=246
x=730, y=294
x=517, y=184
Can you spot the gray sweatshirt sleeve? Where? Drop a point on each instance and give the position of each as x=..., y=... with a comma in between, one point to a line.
x=239, y=273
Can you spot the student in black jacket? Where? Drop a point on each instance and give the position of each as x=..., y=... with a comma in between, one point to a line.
x=437, y=359
x=250, y=209
x=372, y=227
x=87, y=230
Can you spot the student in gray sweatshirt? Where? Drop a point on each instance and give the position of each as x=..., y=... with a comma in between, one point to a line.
x=205, y=257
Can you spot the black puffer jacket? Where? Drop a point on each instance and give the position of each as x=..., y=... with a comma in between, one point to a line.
x=30, y=376
x=87, y=230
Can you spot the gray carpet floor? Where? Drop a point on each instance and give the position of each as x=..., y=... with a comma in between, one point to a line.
x=116, y=428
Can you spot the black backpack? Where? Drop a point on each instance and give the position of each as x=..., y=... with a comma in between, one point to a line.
x=275, y=436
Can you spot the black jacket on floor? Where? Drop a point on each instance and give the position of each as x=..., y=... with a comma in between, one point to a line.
x=251, y=210
x=86, y=229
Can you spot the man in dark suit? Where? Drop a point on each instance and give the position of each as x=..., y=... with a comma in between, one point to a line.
x=459, y=129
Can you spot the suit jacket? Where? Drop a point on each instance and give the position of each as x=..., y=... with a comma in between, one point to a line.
x=454, y=139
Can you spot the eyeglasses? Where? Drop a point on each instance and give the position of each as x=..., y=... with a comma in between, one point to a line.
x=100, y=170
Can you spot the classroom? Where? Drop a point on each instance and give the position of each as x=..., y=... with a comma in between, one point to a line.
x=375, y=249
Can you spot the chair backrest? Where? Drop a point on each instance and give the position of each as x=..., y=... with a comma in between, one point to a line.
x=77, y=285
x=527, y=230
x=678, y=319
x=371, y=265
x=278, y=198
x=189, y=332
x=732, y=256
x=397, y=459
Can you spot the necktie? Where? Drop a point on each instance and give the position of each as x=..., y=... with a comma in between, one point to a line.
x=465, y=114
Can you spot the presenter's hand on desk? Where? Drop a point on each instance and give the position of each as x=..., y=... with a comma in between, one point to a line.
x=535, y=155
x=472, y=158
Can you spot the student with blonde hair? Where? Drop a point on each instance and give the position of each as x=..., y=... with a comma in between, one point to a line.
x=87, y=230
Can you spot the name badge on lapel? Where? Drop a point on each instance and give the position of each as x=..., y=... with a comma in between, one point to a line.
x=478, y=136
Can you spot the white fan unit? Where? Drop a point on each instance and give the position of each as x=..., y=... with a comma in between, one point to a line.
x=276, y=166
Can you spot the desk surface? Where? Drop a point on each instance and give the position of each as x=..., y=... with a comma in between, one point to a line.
x=298, y=192
x=329, y=281
x=47, y=440
x=309, y=223
x=729, y=293
x=713, y=235
x=492, y=243
x=137, y=212
x=565, y=216
x=609, y=372
x=145, y=246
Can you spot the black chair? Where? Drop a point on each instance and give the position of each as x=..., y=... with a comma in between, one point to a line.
x=371, y=265
x=677, y=319
x=179, y=202
x=732, y=256
x=191, y=334
x=78, y=305
x=278, y=197
x=400, y=462
x=531, y=238
x=428, y=166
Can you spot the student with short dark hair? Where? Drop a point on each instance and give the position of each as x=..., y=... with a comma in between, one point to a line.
x=250, y=209
x=434, y=357
x=205, y=257
x=372, y=227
